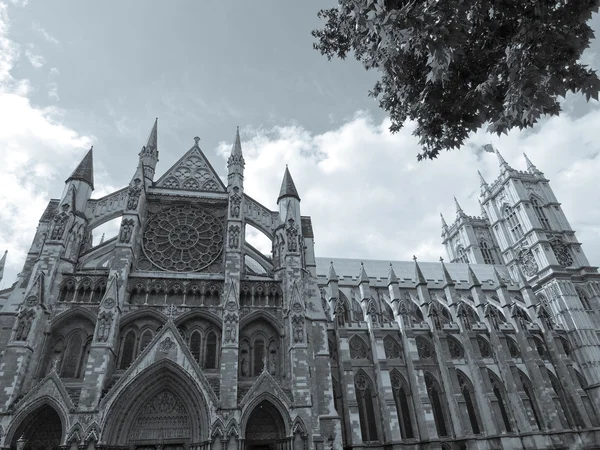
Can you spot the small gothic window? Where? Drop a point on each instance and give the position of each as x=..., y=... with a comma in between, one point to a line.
x=539, y=212
x=462, y=255
x=259, y=356
x=402, y=406
x=484, y=347
x=128, y=351
x=366, y=408
x=436, y=403
x=145, y=340
x=195, y=342
x=488, y=256
x=456, y=350
x=513, y=223
x=70, y=366
x=210, y=359
x=513, y=348
x=469, y=395
x=541, y=348
x=358, y=348
x=392, y=348
x=424, y=348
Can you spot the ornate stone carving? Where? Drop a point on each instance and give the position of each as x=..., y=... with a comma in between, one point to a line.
x=358, y=348
x=234, y=236
x=393, y=350
x=183, y=238
x=456, y=350
x=292, y=236
x=561, y=251
x=527, y=262
x=126, y=231
x=230, y=321
x=373, y=313
x=166, y=345
x=234, y=203
x=104, y=326
x=484, y=347
x=32, y=300
x=298, y=329
x=60, y=223
x=24, y=322
x=162, y=417
x=133, y=195
x=424, y=348
x=109, y=303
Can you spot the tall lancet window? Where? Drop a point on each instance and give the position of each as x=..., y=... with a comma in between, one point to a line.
x=514, y=225
x=488, y=256
x=539, y=212
x=366, y=407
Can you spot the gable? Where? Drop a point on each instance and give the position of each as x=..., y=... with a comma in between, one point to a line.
x=192, y=172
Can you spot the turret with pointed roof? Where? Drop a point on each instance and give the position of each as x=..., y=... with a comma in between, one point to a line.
x=236, y=163
x=85, y=170
x=288, y=188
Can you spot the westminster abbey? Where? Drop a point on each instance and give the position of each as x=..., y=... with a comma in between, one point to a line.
x=177, y=334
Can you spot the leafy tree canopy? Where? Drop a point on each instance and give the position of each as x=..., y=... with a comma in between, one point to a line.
x=454, y=65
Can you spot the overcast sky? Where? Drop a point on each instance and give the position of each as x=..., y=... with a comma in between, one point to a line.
x=75, y=73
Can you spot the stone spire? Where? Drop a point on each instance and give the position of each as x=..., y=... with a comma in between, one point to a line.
x=459, y=211
x=288, y=188
x=419, y=278
x=444, y=224
x=503, y=164
x=236, y=157
x=331, y=275
x=151, y=146
x=483, y=213
x=473, y=280
x=3, y=264
x=392, y=278
x=85, y=170
x=362, y=274
x=483, y=184
x=447, y=278
x=530, y=166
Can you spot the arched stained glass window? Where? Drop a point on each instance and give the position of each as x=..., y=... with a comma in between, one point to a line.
x=402, y=406
x=72, y=356
x=195, y=342
x=145, y=340
x=128, y=350
x=366, y=408
x=210, y=360
x=434, y=393
x=488, y=256
x=259, y=356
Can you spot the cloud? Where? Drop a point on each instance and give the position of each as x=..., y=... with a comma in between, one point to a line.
x=369, y=197
x=42, y=32
x=53, y=91
x=35, y=60
x=37, y=154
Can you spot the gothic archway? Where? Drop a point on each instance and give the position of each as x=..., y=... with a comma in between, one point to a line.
x=40, y=430
x=265, y=428
x=163, y=405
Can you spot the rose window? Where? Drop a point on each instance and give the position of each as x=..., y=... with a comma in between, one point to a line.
x=183, y=239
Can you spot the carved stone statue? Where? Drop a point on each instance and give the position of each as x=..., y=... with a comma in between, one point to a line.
x=244, y=366
x=292, y=235
x=60, y=223
x=234, y=236
x=126, y=230
x=133, y=195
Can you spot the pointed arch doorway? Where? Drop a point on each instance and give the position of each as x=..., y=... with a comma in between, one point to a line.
x=40, y=430
x=265, y=429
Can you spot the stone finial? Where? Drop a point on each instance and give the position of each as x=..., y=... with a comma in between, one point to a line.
x=392, y=278
x=331, y=275
x=362, y=274
x=473, y=280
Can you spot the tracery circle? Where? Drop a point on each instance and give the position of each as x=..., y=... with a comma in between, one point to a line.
x=183, y=238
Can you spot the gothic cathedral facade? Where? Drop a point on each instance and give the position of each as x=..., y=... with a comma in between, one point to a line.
x=177, y=334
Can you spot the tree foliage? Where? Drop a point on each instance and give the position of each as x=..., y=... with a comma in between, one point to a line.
x=453, y=66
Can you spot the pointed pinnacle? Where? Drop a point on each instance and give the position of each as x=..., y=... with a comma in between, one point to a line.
x=483, y=213
x=85, y=170
x=392, y=278
x=237, y=145
x=447, y=278
x=482, y=181
x=444, y=224
x=288, y=188
x=473, y=280
x=420, y=279
x=362, y=274
x=459, y=210
x=530, y=166
x=331, y=275
x=501, y=160
x=499, y=279
x=152, y=142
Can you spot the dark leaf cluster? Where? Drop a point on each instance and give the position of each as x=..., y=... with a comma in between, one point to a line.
x=453, y=66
